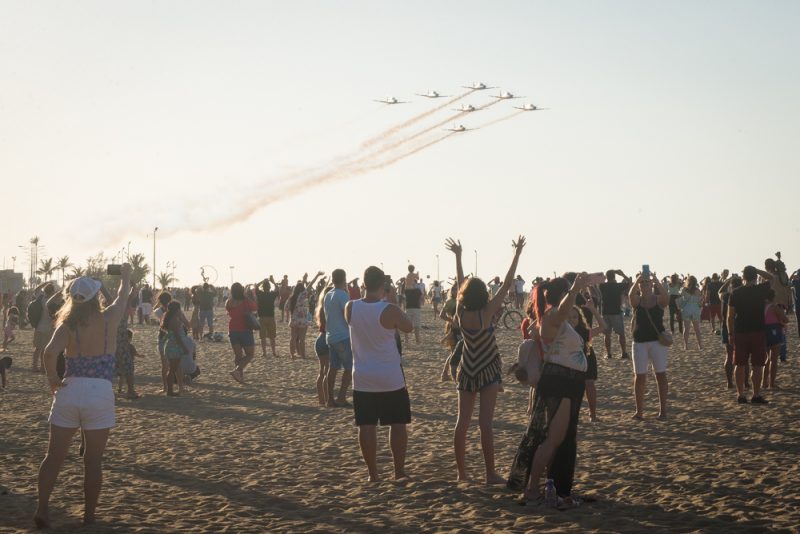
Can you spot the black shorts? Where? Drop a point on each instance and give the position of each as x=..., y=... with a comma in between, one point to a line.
x=591, y=367
x=386, y=408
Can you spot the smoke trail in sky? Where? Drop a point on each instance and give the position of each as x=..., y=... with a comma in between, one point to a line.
x=413, y=120
x=501, y=119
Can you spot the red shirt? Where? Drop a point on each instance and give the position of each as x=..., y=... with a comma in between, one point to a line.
x=237, y=322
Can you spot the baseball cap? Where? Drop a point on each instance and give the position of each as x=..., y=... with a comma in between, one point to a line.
x=84, y=288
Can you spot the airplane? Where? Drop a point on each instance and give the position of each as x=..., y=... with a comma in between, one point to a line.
x=505, y=95
x=459, y=128
x=478, y=86
x=529, y=107
x=432, y=94
x=390, y=100
x=466, y=108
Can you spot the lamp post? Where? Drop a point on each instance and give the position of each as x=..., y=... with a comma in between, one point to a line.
x=437, y=268
x=476, y=263
x=154, y=256
x=129, y=251
x=231, y=267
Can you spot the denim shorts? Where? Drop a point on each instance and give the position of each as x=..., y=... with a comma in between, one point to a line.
x=341, y=355
x=206, y=316
x=320, y=347
x=242, y=338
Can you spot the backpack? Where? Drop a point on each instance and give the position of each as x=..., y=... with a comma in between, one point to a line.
x=35, y=310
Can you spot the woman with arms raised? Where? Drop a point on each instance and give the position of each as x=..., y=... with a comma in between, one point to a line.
x=479, y=371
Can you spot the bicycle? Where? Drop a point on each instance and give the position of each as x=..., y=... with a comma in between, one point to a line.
x=511, y=318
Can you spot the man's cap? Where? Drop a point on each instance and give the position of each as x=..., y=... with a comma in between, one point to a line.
x=84, y=288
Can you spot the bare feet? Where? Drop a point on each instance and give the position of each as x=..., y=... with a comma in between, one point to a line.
x=41, y=520
x=594, y=419
x=88, y=519
x=495, y=479
x=662, y=416
x=401, y=475
x=637, y=416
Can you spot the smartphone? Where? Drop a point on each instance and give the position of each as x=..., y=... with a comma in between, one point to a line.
x=645, y=271
x=114, y=270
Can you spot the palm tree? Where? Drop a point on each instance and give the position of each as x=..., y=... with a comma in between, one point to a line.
x=165, y=280
x=139, y=269
x=77, y=272
x=63, y=263
x=46, y=268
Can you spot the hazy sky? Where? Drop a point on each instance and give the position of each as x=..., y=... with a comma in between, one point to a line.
x=671, y=139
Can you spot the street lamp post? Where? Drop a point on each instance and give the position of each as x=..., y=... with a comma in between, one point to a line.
x=129, y=251
x=154, y=256
x=231, y=274
x=437, y=269
x=476, y=263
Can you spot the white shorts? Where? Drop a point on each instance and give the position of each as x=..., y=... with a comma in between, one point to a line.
x=415, y=314
x=87, y=403
x=147, y=308
x=649, y=352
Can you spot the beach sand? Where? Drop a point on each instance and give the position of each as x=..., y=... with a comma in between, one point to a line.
x=264, y=457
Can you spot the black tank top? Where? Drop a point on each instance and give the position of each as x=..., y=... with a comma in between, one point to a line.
x=643, y=330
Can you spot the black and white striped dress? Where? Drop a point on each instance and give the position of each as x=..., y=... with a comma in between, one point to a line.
x=480, y=359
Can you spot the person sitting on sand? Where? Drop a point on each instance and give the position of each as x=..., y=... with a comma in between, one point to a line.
x=379, y=388
x=85, y=397
x=479, y=371
x=240, y=334
x=647, y=325
x=337, y=335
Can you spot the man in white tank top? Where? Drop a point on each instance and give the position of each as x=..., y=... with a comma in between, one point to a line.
x=379, y=387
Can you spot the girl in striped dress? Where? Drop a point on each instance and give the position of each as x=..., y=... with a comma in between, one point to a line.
x=478, y=372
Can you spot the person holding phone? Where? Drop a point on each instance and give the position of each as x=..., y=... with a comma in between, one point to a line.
x=649, y=300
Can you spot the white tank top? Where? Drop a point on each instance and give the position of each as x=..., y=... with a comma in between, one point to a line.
x=376, y=360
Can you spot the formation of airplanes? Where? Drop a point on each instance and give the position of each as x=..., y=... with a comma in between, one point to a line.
x=465, y=108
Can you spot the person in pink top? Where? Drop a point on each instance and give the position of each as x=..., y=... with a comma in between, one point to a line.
x=238, y=307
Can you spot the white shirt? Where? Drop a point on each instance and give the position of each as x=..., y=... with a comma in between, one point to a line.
x=376, y=360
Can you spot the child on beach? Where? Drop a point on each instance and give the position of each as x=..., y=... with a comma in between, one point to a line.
x=12, y=322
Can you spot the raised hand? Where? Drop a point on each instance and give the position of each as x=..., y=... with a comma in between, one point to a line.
x=519, y=244
x=453, y=246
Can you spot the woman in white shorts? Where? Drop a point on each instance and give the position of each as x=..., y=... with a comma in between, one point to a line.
x=648, y=323
x=86, y=332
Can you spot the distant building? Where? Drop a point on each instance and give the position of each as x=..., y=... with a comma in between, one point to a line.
x=10, y=282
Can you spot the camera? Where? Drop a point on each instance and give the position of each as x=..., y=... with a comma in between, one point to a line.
x=114, y=269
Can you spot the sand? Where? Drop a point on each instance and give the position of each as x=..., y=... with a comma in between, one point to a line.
x=264, y=457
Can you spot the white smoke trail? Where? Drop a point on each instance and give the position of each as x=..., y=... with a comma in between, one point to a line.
x=413, y=120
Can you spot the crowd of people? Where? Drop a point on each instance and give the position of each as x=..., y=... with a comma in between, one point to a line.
x=82, y=340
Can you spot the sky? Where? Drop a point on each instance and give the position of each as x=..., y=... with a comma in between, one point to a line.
x=247, y=132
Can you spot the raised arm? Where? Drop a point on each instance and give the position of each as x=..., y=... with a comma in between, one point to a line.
x=624, y=276
x=311, y=283
x=117, y=308
x=635, y=295
x=662, y=297
x=455, y=247
x=496, y=302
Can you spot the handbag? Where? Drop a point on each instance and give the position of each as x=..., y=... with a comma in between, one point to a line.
x=664, y=338
x=528, y=368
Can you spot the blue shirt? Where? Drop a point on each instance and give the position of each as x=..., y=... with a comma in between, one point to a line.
x=336, y=328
